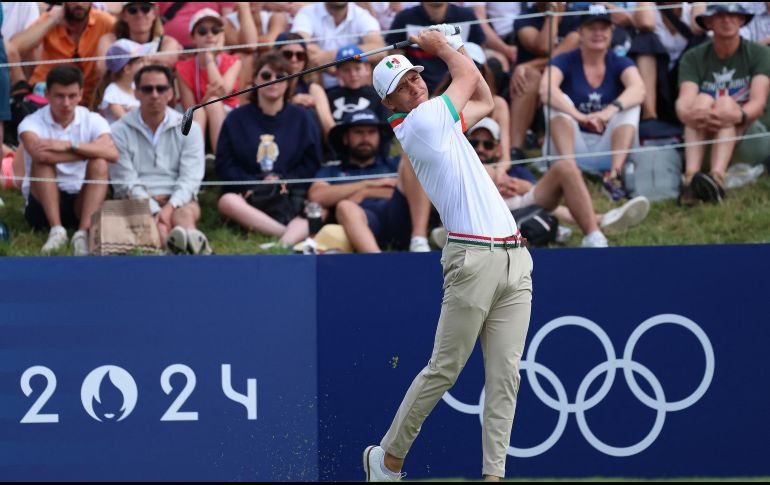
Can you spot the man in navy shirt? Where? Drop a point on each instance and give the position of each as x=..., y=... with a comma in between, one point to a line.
x=374, y=212
x=535, y=38
x=431, y=13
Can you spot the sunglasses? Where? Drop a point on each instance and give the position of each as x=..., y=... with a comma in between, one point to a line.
x=487, y=144
x=148, y=89
x=133, y=9
x=300, y=55
x=203, y=30
x=267, y=75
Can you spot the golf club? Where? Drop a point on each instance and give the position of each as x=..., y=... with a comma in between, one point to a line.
x=187, y=119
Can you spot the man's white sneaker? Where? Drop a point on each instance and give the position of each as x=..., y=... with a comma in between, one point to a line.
x=80, y=243
x=57, y=239
x=374, y=466
x=176, y=242
x=419, y=244
x=198, y=243
x=438, y=237
x=595, y=240
x=629, y=215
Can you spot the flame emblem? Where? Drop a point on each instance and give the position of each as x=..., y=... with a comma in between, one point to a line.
x=112, y=399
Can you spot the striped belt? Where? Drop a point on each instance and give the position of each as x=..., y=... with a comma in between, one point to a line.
x=515, y=241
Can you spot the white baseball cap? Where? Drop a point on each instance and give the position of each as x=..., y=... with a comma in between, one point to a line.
x=487, y=124
x=205, y=13
x=389, y=72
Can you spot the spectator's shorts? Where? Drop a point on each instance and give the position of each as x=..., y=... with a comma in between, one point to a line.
x=587, y=143
x=5, y=85
x=519, y=201
x=36, y=218
x=284, y=209
x=389, y=220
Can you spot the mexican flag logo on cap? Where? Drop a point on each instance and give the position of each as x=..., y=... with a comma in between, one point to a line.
x=393, y=63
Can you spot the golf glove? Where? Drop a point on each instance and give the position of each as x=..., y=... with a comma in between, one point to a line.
x=455, y=40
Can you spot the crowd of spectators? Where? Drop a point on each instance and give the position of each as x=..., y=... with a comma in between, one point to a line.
x=570, y=79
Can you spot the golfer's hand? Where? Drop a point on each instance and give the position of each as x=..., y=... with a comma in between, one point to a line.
x=431, y=41
x=445, y=29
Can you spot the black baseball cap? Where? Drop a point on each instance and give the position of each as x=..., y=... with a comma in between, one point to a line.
x=596, y=13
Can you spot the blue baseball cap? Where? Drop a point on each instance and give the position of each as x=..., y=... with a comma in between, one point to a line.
x=349, y=51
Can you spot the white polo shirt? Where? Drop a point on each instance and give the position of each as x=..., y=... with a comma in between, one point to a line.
x=85, y=128
x=502, y=15
x=317, y=22
x=450, y=170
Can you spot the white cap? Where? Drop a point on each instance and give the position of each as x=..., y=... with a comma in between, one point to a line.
x=205, y=13
x=487, y=124
x=476, y=52
x=389, y=72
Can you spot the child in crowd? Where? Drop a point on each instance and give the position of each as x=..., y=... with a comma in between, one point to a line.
x=119, y=97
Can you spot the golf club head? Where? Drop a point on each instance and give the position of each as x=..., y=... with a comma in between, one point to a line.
x=187, y=120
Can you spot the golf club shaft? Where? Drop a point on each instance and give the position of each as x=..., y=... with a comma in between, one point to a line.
x=399, y=45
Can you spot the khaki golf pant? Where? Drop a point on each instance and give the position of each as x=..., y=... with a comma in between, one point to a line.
x=487, y=295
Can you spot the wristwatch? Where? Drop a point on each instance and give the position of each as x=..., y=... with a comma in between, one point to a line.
x=618, y=104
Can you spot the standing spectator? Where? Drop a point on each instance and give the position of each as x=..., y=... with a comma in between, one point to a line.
x=723, y=89
x=268, y=139
x=70, y=31
x=431, y=13
x=140, y=22
x=354, y=91
x=308, y=92
x=664, y=35
x=119, y=96
x=176, y=17
x=337, y=24
x=167, y=167
x=209, y=75
x=499, y=32
x=563, y=182
x=595, y=96
x=66, y=142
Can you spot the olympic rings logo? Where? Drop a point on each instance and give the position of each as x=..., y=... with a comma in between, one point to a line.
x=583, y=402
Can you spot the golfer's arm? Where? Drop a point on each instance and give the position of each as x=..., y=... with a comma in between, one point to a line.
x=465, y=78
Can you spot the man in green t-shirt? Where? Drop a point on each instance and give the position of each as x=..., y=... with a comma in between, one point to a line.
x=723, y=88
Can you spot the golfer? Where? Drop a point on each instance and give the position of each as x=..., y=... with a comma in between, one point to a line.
x=487, y=272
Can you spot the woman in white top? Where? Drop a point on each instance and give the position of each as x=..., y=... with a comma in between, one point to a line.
x=140, y=22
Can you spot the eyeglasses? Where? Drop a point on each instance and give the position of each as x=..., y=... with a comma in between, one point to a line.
x=300, y=55
x=133, y=9
x=149, y=88
x=267, y=75
x=203, y=30
x=487, y=144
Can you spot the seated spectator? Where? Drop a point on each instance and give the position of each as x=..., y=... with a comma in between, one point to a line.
x=66, y=142
x=534, y=46
x=18, y=17
x=209, y=75
x=594, y=98
x=499, y=32
x=385, y=12
x=159, y=164
x=664, y=35
x=337, y=24
x=5, y=89
x=562, y=182
x=250, y=23
x=140, y=22
x=723, y=88
x=308, y=92
x=118, y=98
x=375, y=212
x=354, y=91
x=176, y=17
x=55, y=30
x=269, y=139
x=414, y=19
x=758, y=30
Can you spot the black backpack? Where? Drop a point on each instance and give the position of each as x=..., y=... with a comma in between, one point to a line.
x=537, y=225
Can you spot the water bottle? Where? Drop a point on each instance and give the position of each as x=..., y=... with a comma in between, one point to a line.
x=5, y=233
x=313, y=213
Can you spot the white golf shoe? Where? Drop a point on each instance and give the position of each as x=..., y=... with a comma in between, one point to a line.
x=374, y=457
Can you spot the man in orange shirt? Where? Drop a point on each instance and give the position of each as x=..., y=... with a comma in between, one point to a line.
x=70, y=31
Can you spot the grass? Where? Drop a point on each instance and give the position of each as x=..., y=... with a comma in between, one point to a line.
x=743, y=218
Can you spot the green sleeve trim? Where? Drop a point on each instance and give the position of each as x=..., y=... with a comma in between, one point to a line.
x=397, y=116
x=451, y=107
